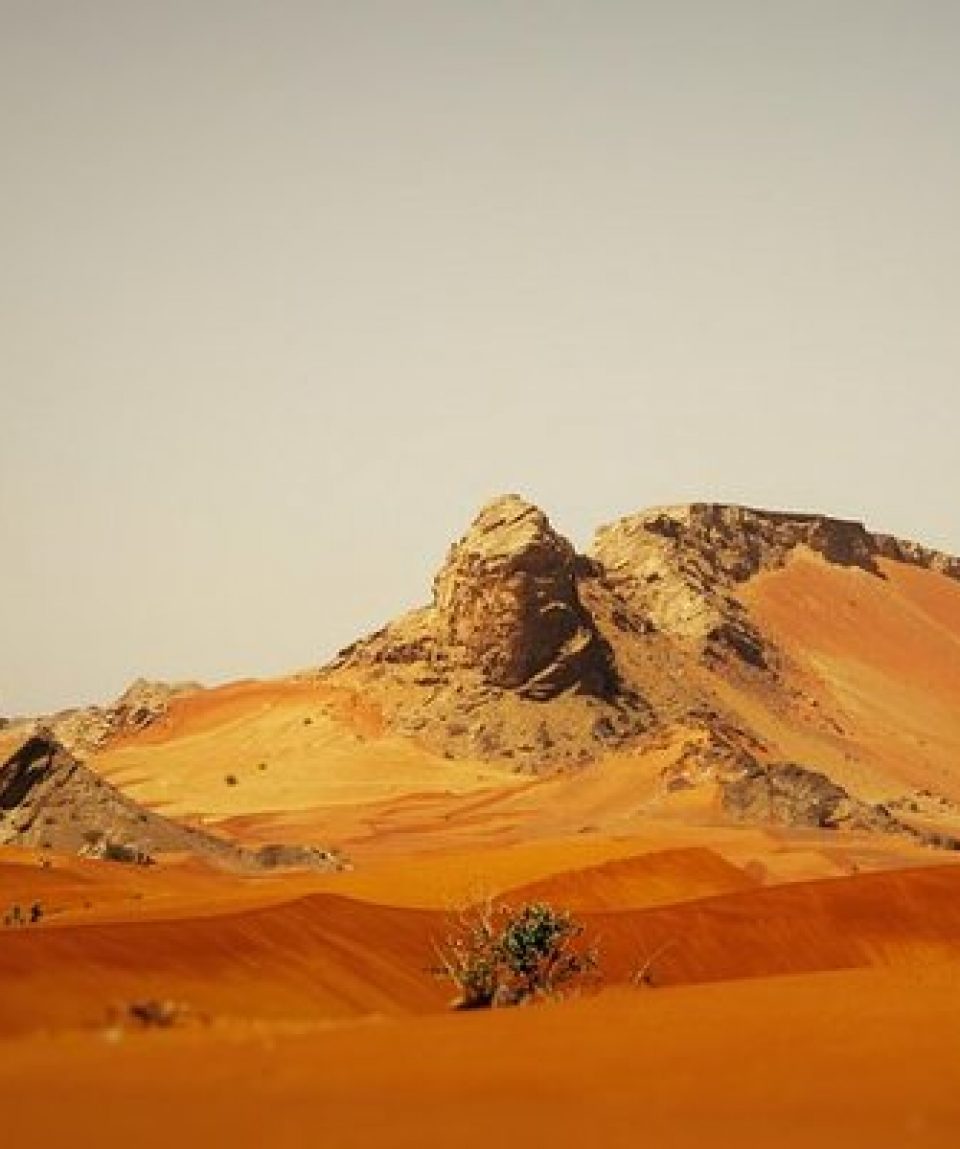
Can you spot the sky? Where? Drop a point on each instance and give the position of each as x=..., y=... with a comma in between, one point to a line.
x=289, y=288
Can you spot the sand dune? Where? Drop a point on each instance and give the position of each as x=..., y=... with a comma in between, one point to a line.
x=863, y=1055
x=277, y=746
x=328, y=955
x=800, y=1063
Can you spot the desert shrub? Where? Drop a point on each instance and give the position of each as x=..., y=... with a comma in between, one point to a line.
x=18, y=915
x=151, y=1013
x=14, y=916
x=500, y=955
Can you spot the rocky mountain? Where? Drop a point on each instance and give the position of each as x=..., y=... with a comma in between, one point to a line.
x=680, y=567
x=532, y=653
x=511, y=659
x=51, y=801
x=788, y=669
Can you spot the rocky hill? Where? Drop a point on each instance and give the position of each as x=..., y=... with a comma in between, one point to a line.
x=532, y=653
x=511, y=659
x=788, y=669
x=84, y=730
x=680, y=567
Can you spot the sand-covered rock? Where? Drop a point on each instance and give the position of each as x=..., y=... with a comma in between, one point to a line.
x=681, y=566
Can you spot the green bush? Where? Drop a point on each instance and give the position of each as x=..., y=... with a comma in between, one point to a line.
x=500, y=955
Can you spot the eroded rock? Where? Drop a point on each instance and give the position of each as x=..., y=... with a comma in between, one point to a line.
x=506, y=603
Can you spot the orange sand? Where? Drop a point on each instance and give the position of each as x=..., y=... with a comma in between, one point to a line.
x=806, y=983
x=321, y=1027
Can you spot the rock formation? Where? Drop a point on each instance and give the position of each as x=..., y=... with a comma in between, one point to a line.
x=506, y=604
x=508, y=661
x=788, y=794
x=680, y=566
x=534, y=654
x=85, y=730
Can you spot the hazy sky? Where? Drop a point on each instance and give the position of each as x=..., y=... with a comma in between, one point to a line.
x=288, y=288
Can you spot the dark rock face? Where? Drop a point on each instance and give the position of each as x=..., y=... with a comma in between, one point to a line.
x=276, y=856
x=793, y=795
x=37, y=767
x=506, y=602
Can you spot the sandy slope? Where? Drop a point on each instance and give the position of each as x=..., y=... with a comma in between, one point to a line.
x=851, y=1059
x=882, y=656
x=276, y=746
x=328, y=955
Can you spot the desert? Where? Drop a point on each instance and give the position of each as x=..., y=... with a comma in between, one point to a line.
x=479, y=574
x=724, y=739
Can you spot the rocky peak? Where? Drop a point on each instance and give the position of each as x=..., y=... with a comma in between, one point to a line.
x=681, y=566
x=740, y=542
x=84, y=731
x=734, y=542
x=144, y=701
x=506, y=603
x=676, y=567
x=534, y=653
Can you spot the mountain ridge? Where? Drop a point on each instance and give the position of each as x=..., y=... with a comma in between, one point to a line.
x=518, y=615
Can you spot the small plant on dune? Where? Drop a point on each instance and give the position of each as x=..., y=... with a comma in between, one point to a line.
x=500, y=955
x=14, y=916
x=18, y=915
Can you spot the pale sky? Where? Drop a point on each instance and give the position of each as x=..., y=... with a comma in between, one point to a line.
x=288, y=288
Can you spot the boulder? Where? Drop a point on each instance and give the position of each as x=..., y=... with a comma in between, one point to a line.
x=506, y=603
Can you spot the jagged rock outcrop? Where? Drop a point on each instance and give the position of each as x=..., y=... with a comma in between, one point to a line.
x=506, y=604
x=507, y=661
x=680, y=566
x=533, y=653
x=85, y=730
x=50, y=800
x=904, y=551
x=788, y=794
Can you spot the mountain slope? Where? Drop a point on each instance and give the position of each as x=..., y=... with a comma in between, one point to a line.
x=719, y=664
x=688, y=618
x=51, y=801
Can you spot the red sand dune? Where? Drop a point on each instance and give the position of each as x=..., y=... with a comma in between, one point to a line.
x=325, y=955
